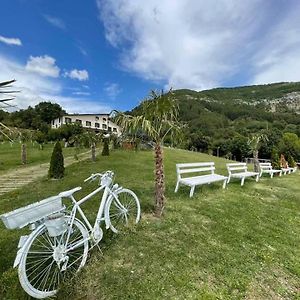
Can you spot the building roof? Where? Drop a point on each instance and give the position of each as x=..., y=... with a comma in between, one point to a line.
x=85, y=115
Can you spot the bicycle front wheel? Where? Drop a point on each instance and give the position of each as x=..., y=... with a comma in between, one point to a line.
x=48, y=260
x=123, y=210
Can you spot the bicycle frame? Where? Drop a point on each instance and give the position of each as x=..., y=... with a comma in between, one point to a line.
x=100, y=214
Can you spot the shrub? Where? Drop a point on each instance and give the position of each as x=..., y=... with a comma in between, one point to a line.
x=57, y=168
x=291, y=161
x=275, y=160
x=105, y=151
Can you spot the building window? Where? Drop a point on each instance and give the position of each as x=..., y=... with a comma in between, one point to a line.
x=78, y=121
x=97, y=125
x=109, y=128
x=114, y=129
x=68, y=120
x=88, y=123
x=104, y=119
x=97, y=118
x=104, y=126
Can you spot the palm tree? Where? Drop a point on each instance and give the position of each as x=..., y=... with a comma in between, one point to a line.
x=157, y=116
x=4, y=92
x=4, y=130
x=254, y=143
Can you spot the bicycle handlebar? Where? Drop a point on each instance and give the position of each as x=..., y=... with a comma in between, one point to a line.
x=95, y=175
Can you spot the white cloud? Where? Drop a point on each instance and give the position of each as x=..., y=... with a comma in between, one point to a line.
x=31, y=84
x=36, y=88
x=112, y=90
x=200, y=44
x=55, y=22
x=81, y=75
x=278, y=57
x=81, y=93
x=10, y=41
x=43, y=65
x=81, y=105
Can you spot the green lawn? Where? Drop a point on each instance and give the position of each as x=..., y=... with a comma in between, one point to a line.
x=238, y=243
x=10, y=154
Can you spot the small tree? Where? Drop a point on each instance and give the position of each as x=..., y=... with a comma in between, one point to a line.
x=105, y=151
x=290, y=161
x=275, y=160
x=255, y=143
x=57, y=168
x=157, y=116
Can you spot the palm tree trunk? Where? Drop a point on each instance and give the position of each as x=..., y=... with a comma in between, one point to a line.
x=256, y=163
x=23, y=154
x=159, y=180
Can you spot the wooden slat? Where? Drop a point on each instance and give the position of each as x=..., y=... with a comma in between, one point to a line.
x=194, y=170
x=237, y=168
x=188, y=165
x=235, y=164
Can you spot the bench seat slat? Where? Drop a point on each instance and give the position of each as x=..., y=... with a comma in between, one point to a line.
x=244, y=174
x=203, y=179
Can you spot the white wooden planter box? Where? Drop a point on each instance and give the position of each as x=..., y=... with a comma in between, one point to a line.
x=32, y=213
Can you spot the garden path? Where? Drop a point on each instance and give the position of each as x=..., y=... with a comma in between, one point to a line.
x=15, y=179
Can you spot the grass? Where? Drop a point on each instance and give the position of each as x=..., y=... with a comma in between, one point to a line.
x=238, y=243
x=10, y=154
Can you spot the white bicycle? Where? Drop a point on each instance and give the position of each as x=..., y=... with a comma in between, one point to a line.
x=60, y=241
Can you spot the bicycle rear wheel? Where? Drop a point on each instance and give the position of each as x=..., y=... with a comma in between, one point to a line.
x=47, y=260
x=123, y=210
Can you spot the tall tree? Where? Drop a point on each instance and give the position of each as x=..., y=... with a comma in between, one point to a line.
x=157, y=116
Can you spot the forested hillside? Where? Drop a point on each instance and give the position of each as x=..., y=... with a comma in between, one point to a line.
x=221, y=120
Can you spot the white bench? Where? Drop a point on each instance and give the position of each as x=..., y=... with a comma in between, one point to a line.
x=268, y=169
x=288, y=170
x=239, y=170
x=189, y=168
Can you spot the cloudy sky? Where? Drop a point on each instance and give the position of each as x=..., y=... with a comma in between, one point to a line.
x=98, y=55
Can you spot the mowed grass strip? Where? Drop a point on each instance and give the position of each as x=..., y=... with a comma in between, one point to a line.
x=238, y=243
x=10, y=154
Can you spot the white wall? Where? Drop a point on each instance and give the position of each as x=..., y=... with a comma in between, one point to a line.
x=102, y=120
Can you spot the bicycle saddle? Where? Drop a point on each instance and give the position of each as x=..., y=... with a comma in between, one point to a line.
x=69, y=192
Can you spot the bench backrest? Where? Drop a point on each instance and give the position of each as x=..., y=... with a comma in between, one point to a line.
x=236, y=167
x=265, y=166
x=188, y=168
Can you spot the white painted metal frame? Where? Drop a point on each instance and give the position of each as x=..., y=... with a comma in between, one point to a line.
x=240, y=171
x=189, y=168
x=37, y=212
x=268, y=169
x=288, y=170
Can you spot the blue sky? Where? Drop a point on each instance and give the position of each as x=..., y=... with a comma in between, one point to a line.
x=98, y=55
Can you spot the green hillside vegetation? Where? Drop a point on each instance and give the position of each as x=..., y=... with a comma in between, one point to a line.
x=237, y=243
x=220, y=119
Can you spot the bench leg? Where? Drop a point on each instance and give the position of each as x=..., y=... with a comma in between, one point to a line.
x=224, y=183
x=257, y=178
x=242, y=181
x=192, y=191
x=260, y=174
x=177, y=186
x=228, y=180
x=272, y=175
x=280, y=173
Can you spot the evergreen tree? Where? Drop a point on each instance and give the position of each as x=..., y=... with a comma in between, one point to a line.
x=105, y=151
x=275, y=160
x=57, y=168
